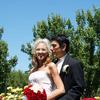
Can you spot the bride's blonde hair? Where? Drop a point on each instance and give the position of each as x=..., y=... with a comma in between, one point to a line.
x=34, y=59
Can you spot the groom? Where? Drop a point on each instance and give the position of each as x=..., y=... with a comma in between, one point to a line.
x=70, y=70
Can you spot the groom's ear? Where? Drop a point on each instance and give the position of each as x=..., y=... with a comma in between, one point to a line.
x=63, y=46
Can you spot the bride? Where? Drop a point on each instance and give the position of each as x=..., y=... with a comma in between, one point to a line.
x=44, y=74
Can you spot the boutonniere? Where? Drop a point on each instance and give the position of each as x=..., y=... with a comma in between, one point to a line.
x=65, y=69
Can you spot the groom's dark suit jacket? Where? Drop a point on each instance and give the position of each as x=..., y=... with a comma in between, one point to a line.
x=73, y=80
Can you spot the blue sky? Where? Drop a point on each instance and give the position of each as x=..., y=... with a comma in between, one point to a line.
x=18, y=17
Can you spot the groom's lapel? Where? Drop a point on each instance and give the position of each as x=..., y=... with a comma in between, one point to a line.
x=64, y=63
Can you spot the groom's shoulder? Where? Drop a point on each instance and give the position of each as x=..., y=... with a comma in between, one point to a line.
x=73, y=59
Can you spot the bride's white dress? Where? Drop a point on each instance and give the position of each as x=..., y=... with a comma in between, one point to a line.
x=41, y=79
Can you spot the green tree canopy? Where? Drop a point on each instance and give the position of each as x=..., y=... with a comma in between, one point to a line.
x=5, y=63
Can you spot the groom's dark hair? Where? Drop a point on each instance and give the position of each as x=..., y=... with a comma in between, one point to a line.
x=61, y=39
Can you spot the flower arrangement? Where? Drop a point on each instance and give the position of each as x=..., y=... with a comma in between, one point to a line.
x=32, y=95
x=12, y=94
x=65, y=69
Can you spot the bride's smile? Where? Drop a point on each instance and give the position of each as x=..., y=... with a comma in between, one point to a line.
x=41, y=52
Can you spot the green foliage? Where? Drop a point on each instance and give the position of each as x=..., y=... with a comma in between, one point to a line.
x=84, y=42
x=49, y=28
x=1, y=32
x=5, y=64
x=18, y=79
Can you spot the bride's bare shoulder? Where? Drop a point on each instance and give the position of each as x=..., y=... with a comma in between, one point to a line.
x=52, y=65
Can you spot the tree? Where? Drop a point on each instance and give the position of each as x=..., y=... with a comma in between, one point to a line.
x=88, y=36
x=5, y=63
x=84, y=39
x=21, y=79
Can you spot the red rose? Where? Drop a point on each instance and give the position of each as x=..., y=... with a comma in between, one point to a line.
x=31, y=95
x=89, y=99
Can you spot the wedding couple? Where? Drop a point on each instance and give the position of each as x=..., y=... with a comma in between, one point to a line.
x=62, y=79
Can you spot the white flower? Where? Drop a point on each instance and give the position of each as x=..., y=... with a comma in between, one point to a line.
x=36, y=87
x=65, y=69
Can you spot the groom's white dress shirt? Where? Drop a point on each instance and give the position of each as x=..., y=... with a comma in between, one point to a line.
x=59, y=63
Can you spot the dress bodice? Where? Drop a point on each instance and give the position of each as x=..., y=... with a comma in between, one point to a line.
x=43, y=79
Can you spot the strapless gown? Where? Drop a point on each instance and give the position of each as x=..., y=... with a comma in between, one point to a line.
x=42, y=79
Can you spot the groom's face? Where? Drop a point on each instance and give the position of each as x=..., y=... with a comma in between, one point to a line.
x=56, y=49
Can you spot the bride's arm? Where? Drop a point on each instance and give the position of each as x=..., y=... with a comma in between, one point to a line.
x=58, y=82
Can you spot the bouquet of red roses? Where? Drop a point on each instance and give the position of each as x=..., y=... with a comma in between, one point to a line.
x=32, y=95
